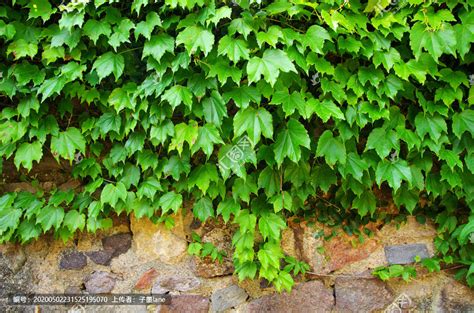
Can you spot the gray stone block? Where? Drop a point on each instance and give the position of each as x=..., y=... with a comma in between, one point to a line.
x=405, y=254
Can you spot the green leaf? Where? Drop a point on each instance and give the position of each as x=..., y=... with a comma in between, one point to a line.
x=160, y=133
x=333, y=149
x=383, y=141
x=176, y=166
x=109, y=121
x=158, y=45
x=393, y=173
x=327, y=109
x=120, y=98
x=227, y=207
x=432, y=125
x=208, y=136
x=269, y=66
x=145, y=28
x=254, y=122
x=40, y=8
x=315, y=37
x=27, y=153
x=109, y=63
x=94, y=29
x=203, y=209
x=177, y=95
x=112, y=193
x=50, y=87
x=9, y=220
x=194, y=38
x=131, y=175
x=365, y=203
x=462, y=122
x=387, y=59
x=28, y=230
x=170, y=201
x=50, y=216
x=243, y=188
x=355, y=165
x=214, y=108
x=289, y=141
x=184, y=133
x=74, y=221
x=234, y=49
x=269, y=181
x=66, y=143
x=121, y=33
x=223, y=71
x=21, y=48
x=246, y=270
x=270, y=226
x=408, y=198
x=434, y=42
x=202, y=176
x=243, y=96
x=290, y=102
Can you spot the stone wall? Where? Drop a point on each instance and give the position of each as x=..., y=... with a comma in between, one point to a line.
x=137, y=256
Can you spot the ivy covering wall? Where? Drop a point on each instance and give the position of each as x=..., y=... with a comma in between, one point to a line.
x=255, y=112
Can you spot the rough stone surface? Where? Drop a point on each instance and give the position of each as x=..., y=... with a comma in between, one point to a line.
x=186, y=304
x=102, y=257
x=338, y=251
x=205, y=267
x=456, y=297
x=405, y=254
x=175, y=283
x=146, y=280
x=410, y=232
x=361, y=295
x=118, y=243
x=154, y=241
x=99, y=282
x=35, y=267
x=227, y=298
x=73, y=260
x=311, y=296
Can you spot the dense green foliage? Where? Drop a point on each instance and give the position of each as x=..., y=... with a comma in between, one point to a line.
x=254, y=111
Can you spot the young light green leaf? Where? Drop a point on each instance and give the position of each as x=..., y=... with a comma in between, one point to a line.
x=289, y=142
x=27, y=153
x=269, y=66
x=109, y=63
x=67, y=143
x=194, y=38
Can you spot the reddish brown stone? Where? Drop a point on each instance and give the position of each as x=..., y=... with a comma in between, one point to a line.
x=311, y=296
x=361, y=295
x=118, y=243
x=147, y=279
x=205, y=267
x=341, y=252
x=185, y=304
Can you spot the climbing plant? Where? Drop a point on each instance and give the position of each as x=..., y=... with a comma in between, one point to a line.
x=253, y=111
